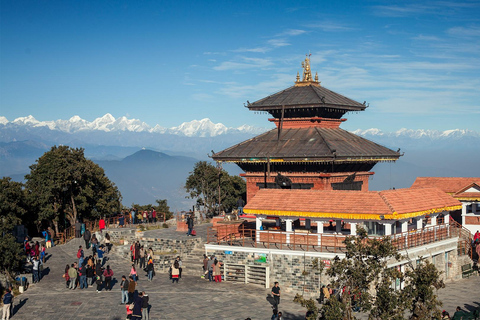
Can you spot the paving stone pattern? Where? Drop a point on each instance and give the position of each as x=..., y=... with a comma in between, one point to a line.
x=191, y=298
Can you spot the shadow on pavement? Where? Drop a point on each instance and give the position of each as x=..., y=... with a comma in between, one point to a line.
x=19, y=305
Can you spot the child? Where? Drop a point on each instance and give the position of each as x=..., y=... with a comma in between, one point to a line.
x=99, y=283
x=129, y=310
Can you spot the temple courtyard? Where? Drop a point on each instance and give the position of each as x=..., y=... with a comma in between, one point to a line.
x=191, y=298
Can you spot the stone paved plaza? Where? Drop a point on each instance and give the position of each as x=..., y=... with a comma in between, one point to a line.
x=191, y=298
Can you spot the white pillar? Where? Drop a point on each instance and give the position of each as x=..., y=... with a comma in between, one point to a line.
x=353, y=229
x=258, y=225
x=319, y=226
x=419, y=223
x=464, y=212
x=288, y=228
x=288, y=225
x=405, y=226
x=446, y=217
x=338, y=226
x=433, y=221
x=388, y=228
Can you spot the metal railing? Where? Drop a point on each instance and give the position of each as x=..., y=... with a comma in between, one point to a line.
x=321, y=242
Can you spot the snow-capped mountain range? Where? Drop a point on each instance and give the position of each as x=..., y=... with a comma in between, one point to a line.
x=206, y=128
x=419, y=133
x=108, y=123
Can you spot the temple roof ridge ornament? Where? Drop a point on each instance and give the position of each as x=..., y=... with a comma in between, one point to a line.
x=307, y=74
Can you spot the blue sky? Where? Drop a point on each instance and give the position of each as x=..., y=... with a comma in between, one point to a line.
x=417, y=63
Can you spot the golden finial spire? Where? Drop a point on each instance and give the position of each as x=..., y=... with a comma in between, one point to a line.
x=307, y=74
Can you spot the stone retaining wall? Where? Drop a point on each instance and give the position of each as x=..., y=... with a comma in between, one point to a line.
x=294, y=269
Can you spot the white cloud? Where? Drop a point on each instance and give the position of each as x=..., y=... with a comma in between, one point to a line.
x=464, y=31
x=244, y=63
x=330, y=26
x=291, y=32
x=278, y=42
x=256, y=50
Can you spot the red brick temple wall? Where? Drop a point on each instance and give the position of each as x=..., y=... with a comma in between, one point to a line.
x=322, y=181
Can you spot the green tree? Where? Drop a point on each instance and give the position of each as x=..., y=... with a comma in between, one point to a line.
x=363, y=276
x=423, y=281
x=206, y=182
x=63, y=184
x=366, y=281
x=13, y=208
x=13, y=204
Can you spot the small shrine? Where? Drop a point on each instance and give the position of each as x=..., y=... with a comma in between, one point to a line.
x=307, y=149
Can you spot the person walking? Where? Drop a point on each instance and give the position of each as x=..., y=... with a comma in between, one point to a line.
x=205, y=268
x=82, y=274
x=101, y=224
x=80, y=254
x=36, y=269
x=94, y=242
x=189, y=223
x=240, y=205
x=108, y=274
x=137, y=253
x=276, y=295
x=7, y=300
x=86, y=237
x=78, y=229
x=210, y=268
x=217, y=272
x=90, y=271
x=66, y=276
x=137, y=307
x=100, y=254
x=145, y=315
x=133, y=273
x=142, y=257
x=150, y=268
x=99, y=283
x=131, y=289
x=98, y=270
x=72, y=274
x=124, y=289
x=108, y=243
x=175, y=271
x=179, y=267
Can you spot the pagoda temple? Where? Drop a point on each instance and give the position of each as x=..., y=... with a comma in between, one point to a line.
x=307, y=149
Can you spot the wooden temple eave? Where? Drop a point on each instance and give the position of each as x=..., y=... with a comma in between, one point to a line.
x=351, y=216
x=468, y=198
x=307, y=160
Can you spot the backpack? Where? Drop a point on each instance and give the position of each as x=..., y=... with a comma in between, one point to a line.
x=79, y=253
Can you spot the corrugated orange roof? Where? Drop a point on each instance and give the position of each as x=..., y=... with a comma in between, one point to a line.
x=369, y=205
x=446, y=184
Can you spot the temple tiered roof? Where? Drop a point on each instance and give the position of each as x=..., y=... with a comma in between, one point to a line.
x=312, y=144
x=308, y=96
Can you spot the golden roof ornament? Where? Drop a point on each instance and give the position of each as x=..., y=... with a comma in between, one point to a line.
x=307, y=74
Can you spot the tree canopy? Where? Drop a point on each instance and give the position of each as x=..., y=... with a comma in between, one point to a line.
x=203, y=185
x=63, y=184
x=13, y=208
x=365, y=281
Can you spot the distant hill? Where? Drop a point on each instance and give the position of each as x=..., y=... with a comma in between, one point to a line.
x=148, y=175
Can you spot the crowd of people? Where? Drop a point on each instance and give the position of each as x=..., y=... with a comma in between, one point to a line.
x=135, y=216
x=89, y=270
